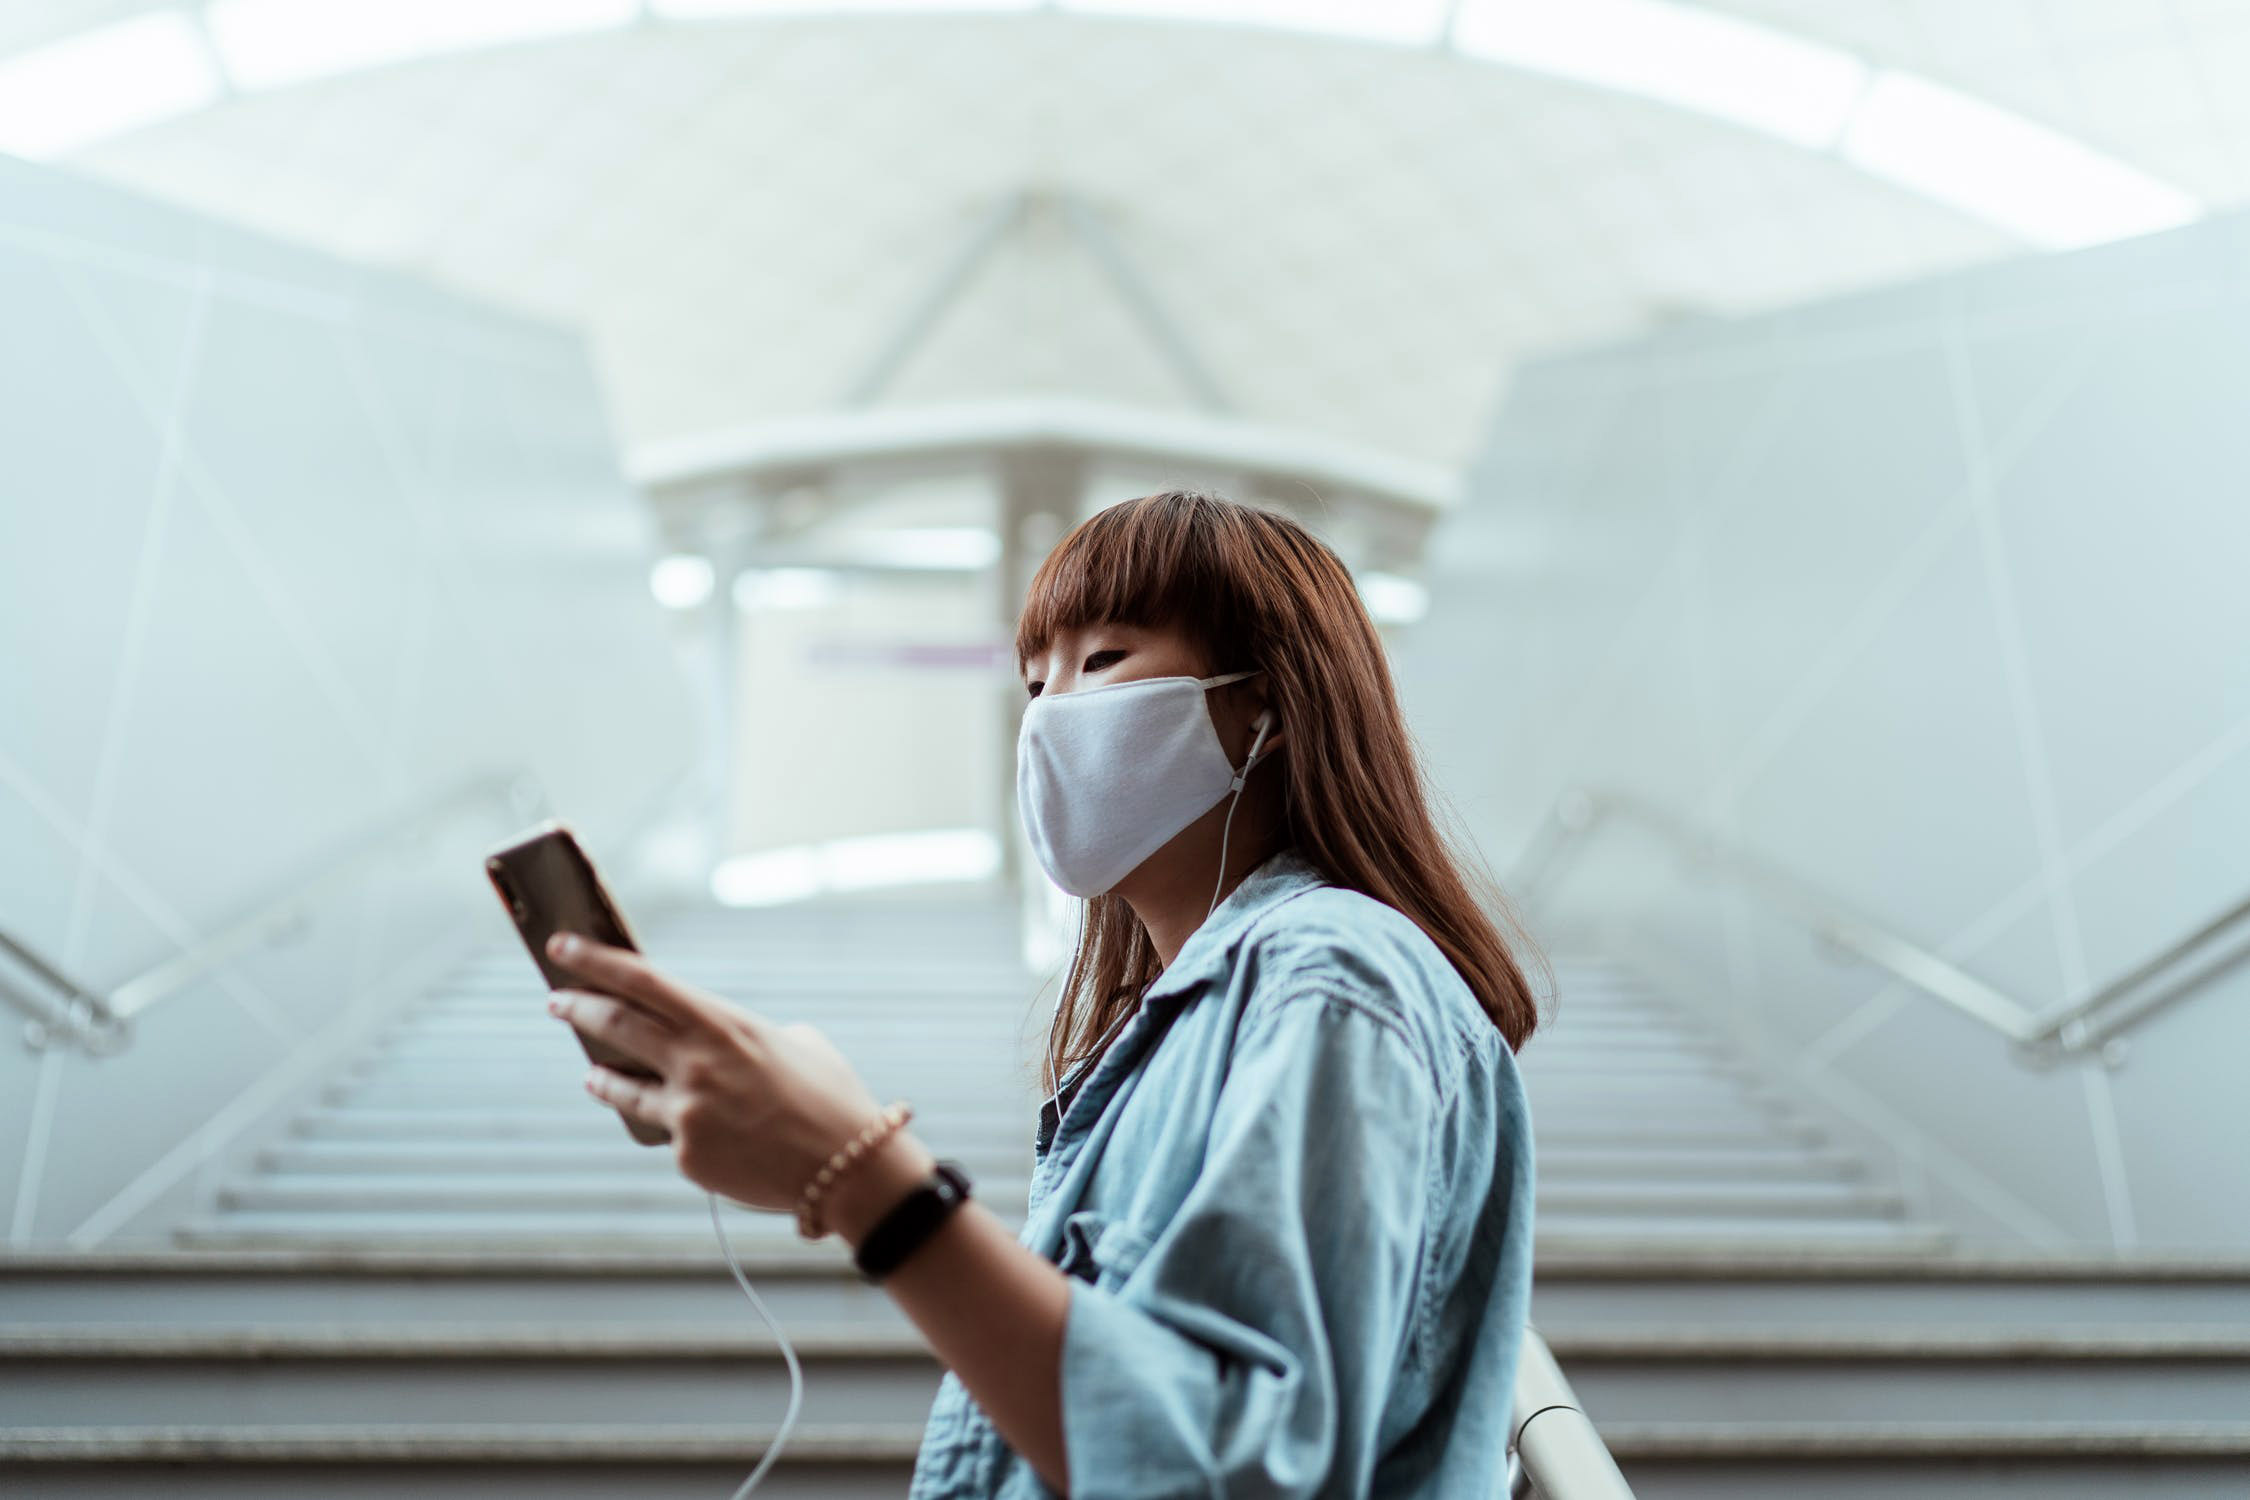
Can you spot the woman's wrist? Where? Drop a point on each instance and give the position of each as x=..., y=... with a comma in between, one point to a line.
x=877, y=1183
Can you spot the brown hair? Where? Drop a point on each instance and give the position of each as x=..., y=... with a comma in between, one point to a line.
x=1272, y=595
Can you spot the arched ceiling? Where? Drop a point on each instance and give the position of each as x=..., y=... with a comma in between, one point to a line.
x=1353, y=239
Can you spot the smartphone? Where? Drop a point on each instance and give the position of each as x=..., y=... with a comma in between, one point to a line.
x=548, y=885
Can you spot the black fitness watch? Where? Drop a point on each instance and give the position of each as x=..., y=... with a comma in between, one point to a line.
x=899, y=1233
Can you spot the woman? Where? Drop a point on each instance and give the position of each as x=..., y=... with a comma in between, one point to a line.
x=1279, y=1237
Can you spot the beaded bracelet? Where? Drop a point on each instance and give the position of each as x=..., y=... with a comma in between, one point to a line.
x=876, y=1131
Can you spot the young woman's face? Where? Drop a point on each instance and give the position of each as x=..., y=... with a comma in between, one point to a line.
x=1099, y=655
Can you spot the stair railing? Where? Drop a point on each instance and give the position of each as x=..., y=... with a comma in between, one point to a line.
x=2090, y=1025
x=76, y=1014
x=1554, y=1453
x=102, y=1024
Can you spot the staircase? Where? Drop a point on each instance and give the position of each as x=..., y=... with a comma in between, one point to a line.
x=457, y=1276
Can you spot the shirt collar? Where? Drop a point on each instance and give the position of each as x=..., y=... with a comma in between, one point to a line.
x=1281, y=875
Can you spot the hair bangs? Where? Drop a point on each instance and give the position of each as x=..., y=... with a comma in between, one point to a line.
x=1142, y=562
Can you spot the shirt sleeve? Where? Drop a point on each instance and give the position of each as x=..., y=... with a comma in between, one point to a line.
x=1250, y=1350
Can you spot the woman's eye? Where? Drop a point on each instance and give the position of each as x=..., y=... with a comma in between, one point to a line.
x=1033, y=688
x=1102, y=659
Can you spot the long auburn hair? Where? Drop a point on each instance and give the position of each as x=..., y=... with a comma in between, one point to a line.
x=1262, y=591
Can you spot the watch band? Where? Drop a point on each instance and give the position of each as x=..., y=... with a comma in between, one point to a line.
x=913, y=1219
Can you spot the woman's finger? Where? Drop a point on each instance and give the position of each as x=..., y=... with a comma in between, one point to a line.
x=618, y=1023
x=645, y=1102
x=624, y=972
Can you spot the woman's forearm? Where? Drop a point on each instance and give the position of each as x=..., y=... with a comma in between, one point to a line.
x=992, y=1310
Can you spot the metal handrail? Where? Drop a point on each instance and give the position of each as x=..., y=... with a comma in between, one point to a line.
x=1554, y=1453
x=108, y=1019
x=81, y=1014
x=2090, y=1024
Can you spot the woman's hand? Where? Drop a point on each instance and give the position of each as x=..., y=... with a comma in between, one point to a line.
x=754, y=1108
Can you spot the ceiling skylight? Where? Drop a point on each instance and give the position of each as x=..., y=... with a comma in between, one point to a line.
x=269, y=43
x=1954, y=148
x=1772, y=82
x=2000, y=166
x=1410, y=22
x=698, y=9
x=102, y=82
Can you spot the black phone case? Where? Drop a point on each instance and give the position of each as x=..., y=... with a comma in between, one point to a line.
x=548, y=885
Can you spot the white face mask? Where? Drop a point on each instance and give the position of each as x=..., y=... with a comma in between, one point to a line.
x=1107, y=776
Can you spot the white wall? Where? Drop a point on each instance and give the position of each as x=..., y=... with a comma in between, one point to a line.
x=286, y=547
x=1941, y=597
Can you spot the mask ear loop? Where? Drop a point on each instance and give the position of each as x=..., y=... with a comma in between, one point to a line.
x=1265, y=726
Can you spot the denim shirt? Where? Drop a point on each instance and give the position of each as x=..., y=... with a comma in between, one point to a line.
x=1294, y=1197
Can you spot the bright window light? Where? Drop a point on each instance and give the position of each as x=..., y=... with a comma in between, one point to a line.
x=2000, y=166
x=876, y=861
x=1680, y=54
x=785, y=588
x=101, y=82
x=696, y=9
x=1409, y=22
x=966, y=548
x=681, y=581
x=270, y=43
x=1392, y=600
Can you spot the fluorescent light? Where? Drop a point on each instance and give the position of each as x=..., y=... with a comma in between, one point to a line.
x=870, y=862
x=966, y=548
x=1392, y=600
x=269, y=43
x=931, y=857
x=697, y=9
x=1408, y=22
x=681, y=581
x=767, y=879
x=2000, y=166
x=1767, y=80
x=101, y=82
x=785, y=588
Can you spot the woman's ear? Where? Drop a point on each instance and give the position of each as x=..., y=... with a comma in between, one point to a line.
x=1265, y=732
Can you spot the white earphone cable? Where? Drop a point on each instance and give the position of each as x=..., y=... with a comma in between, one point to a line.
x=788, y=1354
x=1226, y=828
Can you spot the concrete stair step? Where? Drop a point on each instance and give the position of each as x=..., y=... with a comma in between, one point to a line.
x=1603, y=1290
x=591, y=1119
x=1565, y=1233
x=1630, y=1061
x=455, y=1374
x=1651, y=1235
x=856, y=1461
x=444, y=1377
x=534, y=1158
x=1613, y=1132
x=600, y=1197
x=1814, y=1375
x=1719, y=1199
x=1767, y=1288
x=1938, y=1461
x=804, y=1285
x=561, y=1091
x=1663, y=1161
x=658, y=1189
x=1662, y=1460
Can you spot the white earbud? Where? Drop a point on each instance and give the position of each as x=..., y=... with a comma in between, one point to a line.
x=1264, y=725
